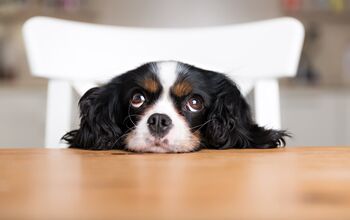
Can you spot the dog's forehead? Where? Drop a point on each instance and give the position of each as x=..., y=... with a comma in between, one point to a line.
x=157, y=76
x=171, y=77
x=175, y=78
x=167, y=74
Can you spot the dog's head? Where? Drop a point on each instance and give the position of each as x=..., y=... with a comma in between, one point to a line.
x=168, y=107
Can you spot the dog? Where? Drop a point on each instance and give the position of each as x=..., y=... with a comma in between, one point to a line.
x=169, y=106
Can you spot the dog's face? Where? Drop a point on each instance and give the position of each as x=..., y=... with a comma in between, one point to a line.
x=168, y=107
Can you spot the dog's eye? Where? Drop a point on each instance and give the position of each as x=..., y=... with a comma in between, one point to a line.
x=195, y=104
x=137, y=100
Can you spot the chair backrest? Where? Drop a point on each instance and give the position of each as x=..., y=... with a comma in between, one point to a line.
x=80, y=53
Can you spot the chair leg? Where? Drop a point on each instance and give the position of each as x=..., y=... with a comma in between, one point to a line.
x=58, y=115
x=267, y=103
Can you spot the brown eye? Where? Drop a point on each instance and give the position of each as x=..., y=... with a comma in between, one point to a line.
x=137, y=100
x=195, y=104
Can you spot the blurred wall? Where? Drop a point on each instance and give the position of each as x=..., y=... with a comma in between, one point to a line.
x=328, y=57
x=183, y=13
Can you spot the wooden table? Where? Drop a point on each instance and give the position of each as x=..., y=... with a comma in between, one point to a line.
x=289, y=183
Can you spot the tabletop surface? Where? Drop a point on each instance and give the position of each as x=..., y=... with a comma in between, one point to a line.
x=286, y=183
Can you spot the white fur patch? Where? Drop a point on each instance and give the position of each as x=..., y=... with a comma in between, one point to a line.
x=179, y=138
x=167, y=74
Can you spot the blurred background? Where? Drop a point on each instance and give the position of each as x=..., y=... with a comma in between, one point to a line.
x=315, y=105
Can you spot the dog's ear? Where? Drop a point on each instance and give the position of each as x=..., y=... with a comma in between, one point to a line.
x=99, y=127
x=230, y=124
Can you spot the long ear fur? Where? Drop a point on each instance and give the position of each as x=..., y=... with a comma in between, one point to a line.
x=98, y=126
x=231, y=125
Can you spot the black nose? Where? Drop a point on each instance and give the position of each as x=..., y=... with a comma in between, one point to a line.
x=159, y=124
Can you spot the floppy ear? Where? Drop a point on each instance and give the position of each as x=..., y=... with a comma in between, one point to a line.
x=231, y=125
x=98, y=123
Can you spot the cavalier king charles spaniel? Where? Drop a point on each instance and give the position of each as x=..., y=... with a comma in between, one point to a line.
x=169, y=107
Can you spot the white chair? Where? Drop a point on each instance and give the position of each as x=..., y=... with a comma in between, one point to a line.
x=74, y=54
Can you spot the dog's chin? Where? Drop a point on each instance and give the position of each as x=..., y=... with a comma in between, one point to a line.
x=160, y=145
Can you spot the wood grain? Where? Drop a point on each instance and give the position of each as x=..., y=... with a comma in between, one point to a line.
x=289, y=183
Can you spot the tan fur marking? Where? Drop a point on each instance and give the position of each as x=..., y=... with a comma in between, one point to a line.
x=182, y=88
x=151, y=85
x=197, y=134
x=195, y=141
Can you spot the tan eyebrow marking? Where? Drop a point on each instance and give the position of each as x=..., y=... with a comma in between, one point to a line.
x=182, y=88
x=151, y=85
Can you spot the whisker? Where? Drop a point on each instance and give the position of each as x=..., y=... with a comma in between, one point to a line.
x=115, y=142
x=201, y=125
x=125, y=134
x=129, y=116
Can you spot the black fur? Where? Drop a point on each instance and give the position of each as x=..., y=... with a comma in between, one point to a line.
x=231, y=124
x=98, y=123
x=226, y=121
